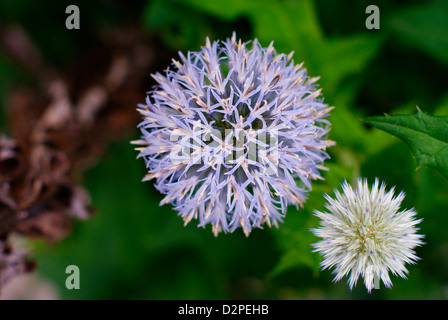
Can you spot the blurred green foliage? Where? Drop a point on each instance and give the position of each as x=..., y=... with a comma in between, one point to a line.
x=134, y=249
x=428, y=35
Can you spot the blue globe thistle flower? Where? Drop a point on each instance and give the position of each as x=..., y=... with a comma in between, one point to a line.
x=234, y=135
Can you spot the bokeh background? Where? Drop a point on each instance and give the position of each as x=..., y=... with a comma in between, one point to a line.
x=131, y=248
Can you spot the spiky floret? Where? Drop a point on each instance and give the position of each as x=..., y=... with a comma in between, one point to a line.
x=234, y=135
x=365, y=234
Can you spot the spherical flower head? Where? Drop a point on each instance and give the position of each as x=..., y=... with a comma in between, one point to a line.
x=234, y=135
x=365, y=234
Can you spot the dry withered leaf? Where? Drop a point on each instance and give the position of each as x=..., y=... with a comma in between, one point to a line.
x=61, y=128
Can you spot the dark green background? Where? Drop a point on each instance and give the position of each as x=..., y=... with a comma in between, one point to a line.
x=134, y=249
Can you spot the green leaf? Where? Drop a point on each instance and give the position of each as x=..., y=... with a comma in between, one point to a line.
x=426, y=135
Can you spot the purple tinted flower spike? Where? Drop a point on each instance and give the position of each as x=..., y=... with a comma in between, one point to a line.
x=233, y=135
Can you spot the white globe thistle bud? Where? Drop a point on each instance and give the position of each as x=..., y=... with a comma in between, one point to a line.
x=365, y=234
